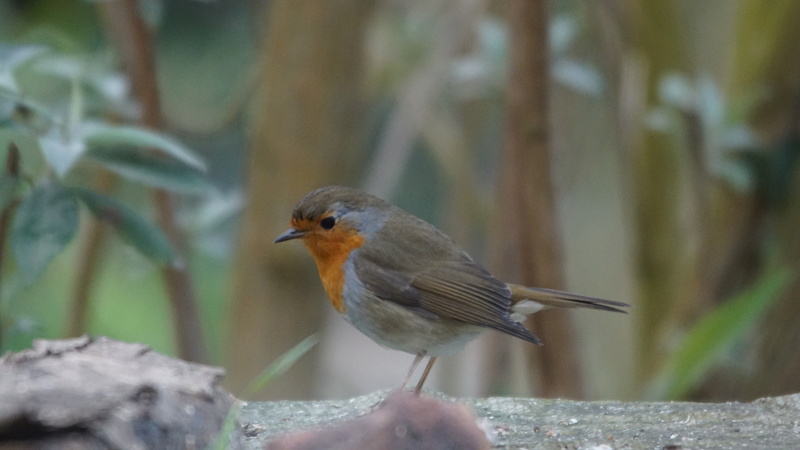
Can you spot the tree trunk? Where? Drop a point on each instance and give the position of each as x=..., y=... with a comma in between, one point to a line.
x=655, y=183
x=526, y=205
x=305, y=134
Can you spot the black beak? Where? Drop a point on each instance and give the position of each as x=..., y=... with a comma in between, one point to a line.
x=290, y=234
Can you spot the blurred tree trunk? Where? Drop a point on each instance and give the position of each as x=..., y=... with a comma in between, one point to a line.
x=701, y=242
x=526, y=209
x=305, y=134
x=685, y=216
x=766, y=54
x=655, y=165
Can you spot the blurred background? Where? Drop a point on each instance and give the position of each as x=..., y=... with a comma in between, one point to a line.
x=644, y=152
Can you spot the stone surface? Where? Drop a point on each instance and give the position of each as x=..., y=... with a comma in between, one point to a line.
x=770, y=423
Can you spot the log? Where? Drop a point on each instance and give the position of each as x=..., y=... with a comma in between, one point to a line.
x=101, y=393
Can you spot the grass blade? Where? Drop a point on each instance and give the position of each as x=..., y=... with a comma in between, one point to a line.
x=714, y=334
x=280, y=365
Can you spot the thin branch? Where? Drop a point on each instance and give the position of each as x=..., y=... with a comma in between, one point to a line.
x=11, y=169
x=88, y=262
x=417, y=98
x=134, y=41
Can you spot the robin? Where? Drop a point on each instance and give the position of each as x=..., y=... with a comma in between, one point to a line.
x=407, y=285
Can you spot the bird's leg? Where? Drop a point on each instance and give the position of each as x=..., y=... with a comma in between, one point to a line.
x=417, y=360
x=424, y=376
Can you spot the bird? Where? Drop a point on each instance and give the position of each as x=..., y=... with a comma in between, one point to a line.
x=407, y=285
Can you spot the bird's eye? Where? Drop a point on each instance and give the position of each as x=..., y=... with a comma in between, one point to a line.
x=327, y=223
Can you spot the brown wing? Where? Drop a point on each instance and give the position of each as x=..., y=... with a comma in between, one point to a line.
x=457, y=288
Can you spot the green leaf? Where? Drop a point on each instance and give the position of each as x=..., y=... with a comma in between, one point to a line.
x=579, y=76
x=280, y=365
x=61, y=150
x=714, y=334
x=43, y=225
x=105, y=135
x=150, y=169
x=17, y=111
x=13, y=56
x=131, y=226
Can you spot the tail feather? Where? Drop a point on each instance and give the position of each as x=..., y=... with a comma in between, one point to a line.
x=549, y=298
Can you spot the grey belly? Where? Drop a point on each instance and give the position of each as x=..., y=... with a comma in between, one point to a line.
x=399, y=328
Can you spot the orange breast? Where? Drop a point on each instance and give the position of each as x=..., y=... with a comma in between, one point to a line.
x=330, y=251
